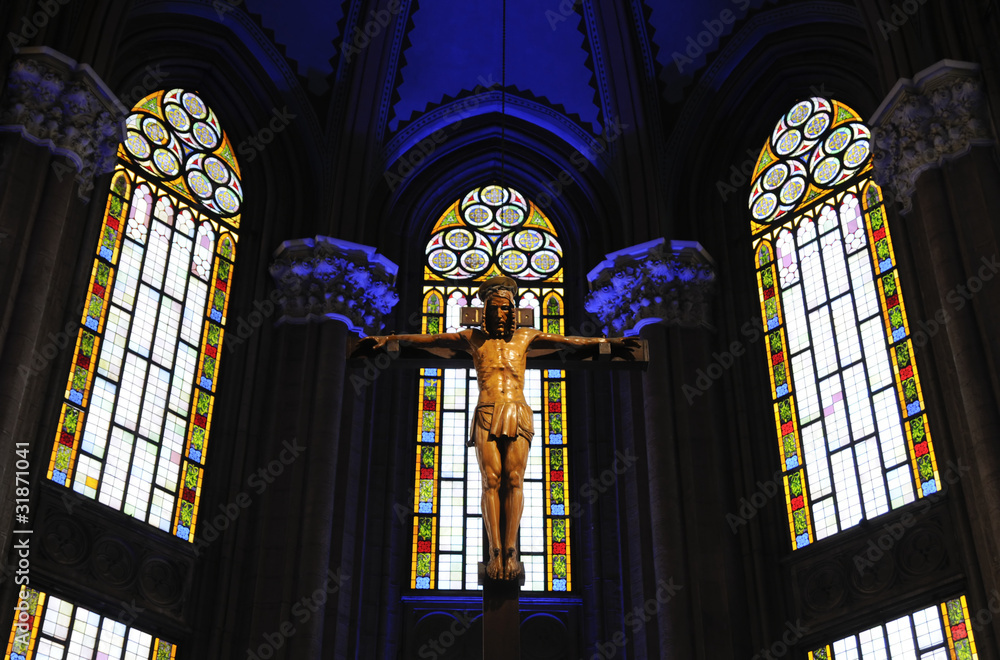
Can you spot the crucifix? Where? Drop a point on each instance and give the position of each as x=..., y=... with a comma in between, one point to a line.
x=502, y=429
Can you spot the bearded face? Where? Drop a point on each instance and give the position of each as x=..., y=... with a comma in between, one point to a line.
x=500, y=317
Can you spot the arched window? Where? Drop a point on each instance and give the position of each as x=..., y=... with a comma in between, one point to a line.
x=490, y=231
x=853, y=434
x=134, y=425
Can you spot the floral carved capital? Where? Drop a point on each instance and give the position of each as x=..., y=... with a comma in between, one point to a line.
x=925, y=122
x=654, y=282
x=327, y=278
x=53, y=101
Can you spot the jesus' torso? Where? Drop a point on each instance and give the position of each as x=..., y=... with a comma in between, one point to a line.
x=500, y=364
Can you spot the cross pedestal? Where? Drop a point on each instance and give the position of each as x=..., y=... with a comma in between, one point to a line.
x=501, y=617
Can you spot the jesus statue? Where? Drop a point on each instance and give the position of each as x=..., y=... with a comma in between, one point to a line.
x=502, y=426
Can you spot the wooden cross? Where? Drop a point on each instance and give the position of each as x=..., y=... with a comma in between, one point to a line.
x=500, y=353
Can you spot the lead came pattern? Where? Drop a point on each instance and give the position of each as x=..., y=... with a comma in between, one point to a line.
x=942, y=632
x=856, y=455
x=56, y=629
x=156, y=341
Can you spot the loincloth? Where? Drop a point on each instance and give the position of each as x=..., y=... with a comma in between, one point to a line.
x=504, y=419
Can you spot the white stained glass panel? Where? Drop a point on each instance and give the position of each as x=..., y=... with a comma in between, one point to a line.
x=825, y=518
x=156, y=255
x=845, y=482
x=812, y=275
x=450, y=571
x=837, y=281
x=917, y=636
x=795, y=319
x=848, y=344
x=116, y=468
x=825, y=347
x=451, y=520
x=532, y=533
x=133, y=382
x=145, y=321
x=865, y=296
x=127, y=276
x=115, y=338
x=95, y=431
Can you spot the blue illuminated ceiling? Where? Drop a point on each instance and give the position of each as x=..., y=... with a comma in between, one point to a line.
x=687, y=33
x=308, y=30
x=455, y=45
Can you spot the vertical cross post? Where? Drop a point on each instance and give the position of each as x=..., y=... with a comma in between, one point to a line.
x=501, y=617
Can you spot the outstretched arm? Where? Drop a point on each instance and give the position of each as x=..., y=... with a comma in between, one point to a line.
x=546, y=341
x=447, y=340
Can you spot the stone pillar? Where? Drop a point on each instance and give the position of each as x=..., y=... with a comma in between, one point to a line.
x=662, y=292
x=327, y=290
x=936, y=158
x=59, y=129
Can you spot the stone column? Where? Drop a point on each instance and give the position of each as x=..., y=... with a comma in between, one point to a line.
x=662, y=292
x=936, y=159
x=59, y=129
x=327, y=290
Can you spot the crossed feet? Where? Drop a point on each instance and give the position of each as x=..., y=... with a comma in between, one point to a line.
x=508, y=568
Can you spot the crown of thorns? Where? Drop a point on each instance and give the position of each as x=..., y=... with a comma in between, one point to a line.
x=502, y=286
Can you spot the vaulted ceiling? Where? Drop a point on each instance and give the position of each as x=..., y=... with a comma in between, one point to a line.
x=451, y=47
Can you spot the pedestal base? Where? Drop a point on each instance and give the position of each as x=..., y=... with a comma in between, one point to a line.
x=501, y=617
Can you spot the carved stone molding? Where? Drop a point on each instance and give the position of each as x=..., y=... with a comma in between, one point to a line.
x=103, y=559
x=53, y=101
x=327, y=278
x=653, y=282
x=936, y=117
x=890, y=560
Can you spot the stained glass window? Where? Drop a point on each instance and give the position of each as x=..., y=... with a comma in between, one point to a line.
x=854, y=438
x=490, y=231
x=49, y=628
x=942, y=632
x=134, y=424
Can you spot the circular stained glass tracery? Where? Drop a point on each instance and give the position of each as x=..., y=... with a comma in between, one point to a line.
x=822, y=143
x=494, y=230
x=176, y=137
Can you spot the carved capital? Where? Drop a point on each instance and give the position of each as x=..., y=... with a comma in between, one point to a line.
x=936, y=117
x=327, y=278
x=654, y=282
x=53, y=101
